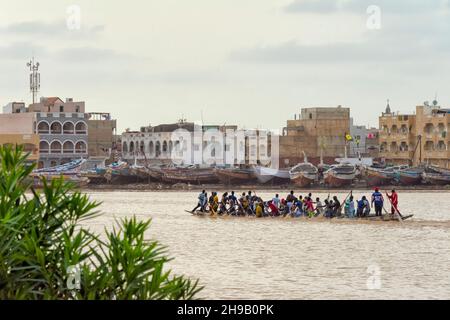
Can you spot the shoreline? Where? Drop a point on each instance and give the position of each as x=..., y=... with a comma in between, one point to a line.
x=157, y=187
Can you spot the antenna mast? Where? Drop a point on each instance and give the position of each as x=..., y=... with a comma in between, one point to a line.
x=35, y=78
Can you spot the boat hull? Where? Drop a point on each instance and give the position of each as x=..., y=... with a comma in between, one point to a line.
x=227, y=176
x=378, y=178
x=410, y=179
x=436, y=179
x=191, y=176
x=265, y=175
x=336, y=180
x=303, y=179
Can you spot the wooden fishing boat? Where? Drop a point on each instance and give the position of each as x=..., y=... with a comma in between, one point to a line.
x=155, y=173
x=94, y=177
x=304, y=174
x=76, y=180
x=265, y=175
x=436, y=178
x=340, y=175
x=384, y=218
x=379, y=177
x=411, y=176
x=192, y=175
x=234, y=175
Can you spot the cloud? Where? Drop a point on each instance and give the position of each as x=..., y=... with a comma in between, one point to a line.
x=387, y=6
x=21, y=50
x=88, y=54
x=50, y=29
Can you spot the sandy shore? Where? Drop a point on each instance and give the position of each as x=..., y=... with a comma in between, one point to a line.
x=258, y=187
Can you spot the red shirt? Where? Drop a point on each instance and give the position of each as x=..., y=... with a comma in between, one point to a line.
x=273, y=208
x=394, y=198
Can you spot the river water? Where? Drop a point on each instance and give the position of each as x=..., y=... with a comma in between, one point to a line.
x=246, y=258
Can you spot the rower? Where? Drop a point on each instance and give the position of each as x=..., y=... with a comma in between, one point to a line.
x=336, y=207
x=276, y=200
x=290, y=199
x=378, y=200
x=202, y=198
x=393, y=197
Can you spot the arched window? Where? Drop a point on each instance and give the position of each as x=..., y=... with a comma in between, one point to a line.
x=158, y=149
x=68, y=147
x=56, y=128
x=441, y=146
x=142, y=147
x=131, y=147
x=80, y=128
x=151, y=149
x=80, y=147
x=43, y=127
x=429, y=146
x=44, y=147
x=394, y=147
x=394, y=129
x=164, y=148
x=429, y=128
x=404, y=129
x=55, y=147
x=68, y=128
x=404, y=146
x=124, y=147
x=383, y=147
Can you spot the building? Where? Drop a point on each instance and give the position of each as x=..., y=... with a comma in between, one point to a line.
x=19, y=129
x=63, y=130
x=318, y=133
x=365, y=141
x=162, y=144
x=102, y=132
x=416, y=138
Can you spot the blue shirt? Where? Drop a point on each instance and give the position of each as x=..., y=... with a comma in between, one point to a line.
x=377, y=198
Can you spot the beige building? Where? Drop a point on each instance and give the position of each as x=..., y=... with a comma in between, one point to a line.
x=416, y=138
x=29, y=142
x=19, y=129
x=318, y=132
x=102, y=133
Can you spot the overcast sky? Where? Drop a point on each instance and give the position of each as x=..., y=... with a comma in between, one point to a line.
x=254, y=63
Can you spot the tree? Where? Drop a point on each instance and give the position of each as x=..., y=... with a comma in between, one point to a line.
x=46, y=254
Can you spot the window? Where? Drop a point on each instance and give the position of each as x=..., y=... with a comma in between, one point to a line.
x=61, y=108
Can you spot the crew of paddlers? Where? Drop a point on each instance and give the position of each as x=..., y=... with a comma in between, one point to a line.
x=250, y=204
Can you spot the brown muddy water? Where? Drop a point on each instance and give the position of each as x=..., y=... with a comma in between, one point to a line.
x=247, y=258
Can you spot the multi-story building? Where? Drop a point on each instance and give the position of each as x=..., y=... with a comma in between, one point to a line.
x=61, y=126
x=318, y=132
x=160, y=144
x=63, y=130
x=416, y=138
x=102, y=132
x=19, y=129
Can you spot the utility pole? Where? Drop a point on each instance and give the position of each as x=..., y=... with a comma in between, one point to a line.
x=35, y=78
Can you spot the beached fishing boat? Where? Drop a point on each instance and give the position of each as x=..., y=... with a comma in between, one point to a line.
x=191, y=175
x=411, y=176
x=436, y=178
x=340, y=175
x=265, y=175
x=379, y=177
x=235, y=175
x=304, y=174
x=70, y=172
x=120, y=172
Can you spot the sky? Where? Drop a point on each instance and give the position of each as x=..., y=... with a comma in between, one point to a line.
x=254, y=63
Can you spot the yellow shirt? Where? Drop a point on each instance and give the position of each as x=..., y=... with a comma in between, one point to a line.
x=259, y=211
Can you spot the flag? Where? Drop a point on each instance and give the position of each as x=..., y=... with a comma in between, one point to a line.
x=348, y=137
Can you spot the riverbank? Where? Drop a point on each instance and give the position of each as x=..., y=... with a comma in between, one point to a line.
x=255, y=187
